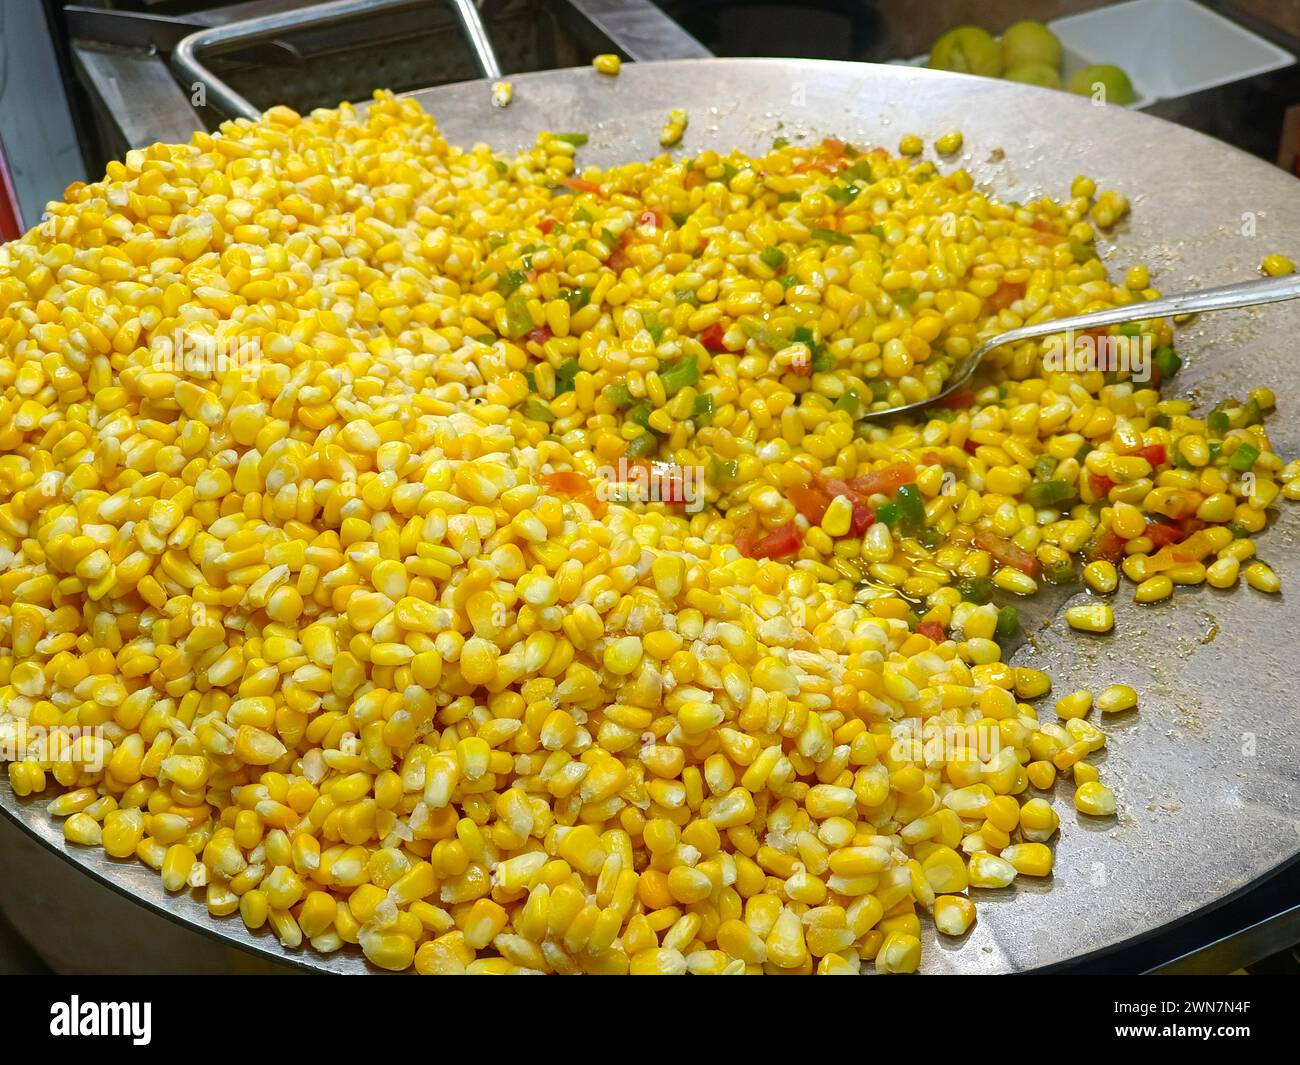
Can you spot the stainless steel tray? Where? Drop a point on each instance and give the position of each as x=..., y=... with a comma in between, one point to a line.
x=1206, y=770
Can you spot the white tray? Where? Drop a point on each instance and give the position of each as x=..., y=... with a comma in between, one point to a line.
x=1177, y=47
x=1168, y=48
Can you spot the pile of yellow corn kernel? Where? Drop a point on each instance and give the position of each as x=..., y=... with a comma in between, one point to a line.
x=355, y=662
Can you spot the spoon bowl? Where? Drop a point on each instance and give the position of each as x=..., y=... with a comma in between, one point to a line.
x=1220, y=298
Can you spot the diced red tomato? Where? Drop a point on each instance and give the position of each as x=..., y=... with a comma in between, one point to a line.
x=546, y=224
x=567, y=483
x=1162, y=533
x=932, y=629
x=1195, y=547
x=673, y=490
x=890, y=479
x=932, y=458
x=1100, y=484
x=779, y=543
x=1006, y=553
x=863, y=518
x=618, y=260
x=829, y=157
x=1046, y=234
x=1154, y=454
x=579, y=185
x=1191, y=549
x=576, y=487
x=959, y=400
x=970, y=447
x=1007, y=293
x=667, y=478
x=1162, y=560
x=810, y=501
x=711, y=338
x=1110, y=546
x=541, y=334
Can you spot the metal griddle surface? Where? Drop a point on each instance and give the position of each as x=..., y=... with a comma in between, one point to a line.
x=1206, y=770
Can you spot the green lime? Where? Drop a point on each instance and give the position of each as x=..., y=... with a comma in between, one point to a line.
x=967, y=50
x=1103, y=82
x=1030, y=42
x=1035, y=74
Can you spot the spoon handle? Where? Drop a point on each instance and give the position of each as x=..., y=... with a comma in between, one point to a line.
x=1219, y=298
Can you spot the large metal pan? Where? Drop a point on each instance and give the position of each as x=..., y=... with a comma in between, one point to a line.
x=1206, y=769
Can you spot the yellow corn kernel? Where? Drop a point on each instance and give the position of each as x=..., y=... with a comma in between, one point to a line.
x=1101, y=576
x=1091, y=617
x=838, y=516
x=254, y=909
x=1095, y=799
x=689, y=885
x=1154, y=589
x=786, y=947
x=1276, y=266
x=1261, y=577
x=623, y=655
x=177, y=864
x=1042, y=774
x=1076, y=704
x=900, y=952
x=672, y=130
x=658, y=961
x=741, y=942
x=945, y=870
x=1029, y=859
x=949, y=143
x=1038, y=821
x=582, y=849
x=1010, y=579
x=83, y=829
x=485, y=920
x=1222, y=573
x=953, y=914
x=1031, y=683
x=394, y=951
x=989, y=871
x=1117, y=698
x=123, y=830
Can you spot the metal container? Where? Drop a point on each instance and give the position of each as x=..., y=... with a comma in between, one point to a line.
x=1205, y=770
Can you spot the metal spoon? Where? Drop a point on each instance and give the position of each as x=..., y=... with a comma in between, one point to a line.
x=1241, y=294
